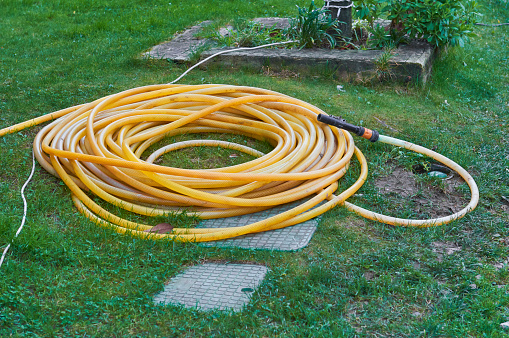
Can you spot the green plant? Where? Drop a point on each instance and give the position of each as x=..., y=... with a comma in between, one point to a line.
x=440, y=22
x=314, y=27
x=246, y=33
x=380, y=37
x=411, y=160
x=382, y=63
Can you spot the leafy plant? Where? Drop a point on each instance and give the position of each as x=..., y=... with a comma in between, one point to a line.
x=313, y=26
x=380, y=37
x=440, y=22
x=411, y=160
x=382, y=64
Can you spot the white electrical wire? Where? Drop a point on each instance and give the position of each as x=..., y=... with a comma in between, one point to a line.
x=24, y=210
x=492, y=25
x=229, y=51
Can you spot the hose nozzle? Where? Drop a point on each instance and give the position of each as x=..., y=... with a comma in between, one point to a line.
x=339, y=122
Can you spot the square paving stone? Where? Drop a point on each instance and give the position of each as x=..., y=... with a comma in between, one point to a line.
x=286, y=239
x=205, y=287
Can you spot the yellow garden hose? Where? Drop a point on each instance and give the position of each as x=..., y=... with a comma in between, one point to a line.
x=97, y=148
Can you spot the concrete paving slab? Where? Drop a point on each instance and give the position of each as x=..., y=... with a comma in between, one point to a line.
x=213, y=286
x=287, y=239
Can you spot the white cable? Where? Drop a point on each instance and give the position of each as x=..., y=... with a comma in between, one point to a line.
x=228, y=51
x=24, y=210
x=492, y=25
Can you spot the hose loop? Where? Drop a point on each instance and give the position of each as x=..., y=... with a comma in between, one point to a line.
x=100, y=148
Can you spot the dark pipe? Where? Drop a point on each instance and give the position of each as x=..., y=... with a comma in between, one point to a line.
x=340, y=123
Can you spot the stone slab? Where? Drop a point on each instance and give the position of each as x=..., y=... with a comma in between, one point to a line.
x=286, y=239
x=213, y=286
x=412, y=61
x=273, y=22
x=181, y=46
x=409, y=62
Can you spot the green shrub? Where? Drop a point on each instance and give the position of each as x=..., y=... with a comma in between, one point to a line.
x=313, y=26
x=381, y=38
x=440, y=22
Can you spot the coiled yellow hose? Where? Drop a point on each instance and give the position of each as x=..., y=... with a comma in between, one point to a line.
x=97, y=148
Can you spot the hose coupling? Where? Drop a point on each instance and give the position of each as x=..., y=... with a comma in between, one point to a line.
x=339, y=122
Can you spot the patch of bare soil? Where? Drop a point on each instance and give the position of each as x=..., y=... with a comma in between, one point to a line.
x=444, y=248
x=504, y=205
x=403, y=188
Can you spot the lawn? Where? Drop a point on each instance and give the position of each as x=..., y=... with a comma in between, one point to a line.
x=64, y=276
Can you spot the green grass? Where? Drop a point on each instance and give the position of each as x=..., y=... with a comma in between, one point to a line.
x=207, y=157
x=66, y=277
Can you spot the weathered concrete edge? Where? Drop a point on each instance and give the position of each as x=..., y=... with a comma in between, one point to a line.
x=409, y=62
x=180, y=47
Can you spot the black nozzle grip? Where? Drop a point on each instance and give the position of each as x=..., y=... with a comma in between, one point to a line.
x=340, y=123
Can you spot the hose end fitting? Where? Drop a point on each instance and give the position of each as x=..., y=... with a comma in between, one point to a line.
x=371, y=135
x=339, y=122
